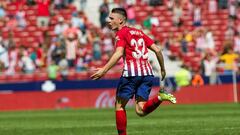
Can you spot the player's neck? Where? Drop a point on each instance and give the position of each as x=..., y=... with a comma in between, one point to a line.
x=121, y=26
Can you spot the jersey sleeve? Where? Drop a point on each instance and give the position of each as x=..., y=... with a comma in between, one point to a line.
x=148, y=40
x=120, y=41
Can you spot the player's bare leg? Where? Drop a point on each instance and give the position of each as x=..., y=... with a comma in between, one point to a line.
x=145, y=107
x=121, y=117
x=139, y=108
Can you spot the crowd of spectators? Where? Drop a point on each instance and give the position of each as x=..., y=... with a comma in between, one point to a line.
x=74, y=43
x=71, y=43
x=199, y=43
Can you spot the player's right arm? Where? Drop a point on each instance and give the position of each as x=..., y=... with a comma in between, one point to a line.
x=160, y=59
x=113, y=60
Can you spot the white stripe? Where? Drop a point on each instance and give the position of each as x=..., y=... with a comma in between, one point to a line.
x=144, y=68
x=132, y=68
x=150, y=68
x=149, y=71
x=125, y=70
x=139, y=68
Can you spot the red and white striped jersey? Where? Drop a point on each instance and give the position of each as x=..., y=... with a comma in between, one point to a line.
x=135, y=43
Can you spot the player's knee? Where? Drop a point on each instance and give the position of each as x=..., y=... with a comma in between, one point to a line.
x=119, y=106
x=140, y=113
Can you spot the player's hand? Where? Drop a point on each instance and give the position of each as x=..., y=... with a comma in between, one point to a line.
x=97, y=75
x=163, y=74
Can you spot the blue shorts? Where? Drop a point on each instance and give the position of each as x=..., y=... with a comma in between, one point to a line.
x=139, y=86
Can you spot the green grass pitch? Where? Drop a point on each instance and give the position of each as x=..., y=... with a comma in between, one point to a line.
x=209, y=119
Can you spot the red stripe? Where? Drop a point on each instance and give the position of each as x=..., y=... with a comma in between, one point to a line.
x=146, y=65
x=141, y=67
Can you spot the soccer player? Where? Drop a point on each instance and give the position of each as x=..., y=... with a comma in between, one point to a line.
x=137, y=77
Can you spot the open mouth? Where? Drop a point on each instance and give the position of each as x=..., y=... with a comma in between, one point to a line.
x=109, y=25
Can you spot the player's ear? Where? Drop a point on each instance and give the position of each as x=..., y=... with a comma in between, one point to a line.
x=121, y=20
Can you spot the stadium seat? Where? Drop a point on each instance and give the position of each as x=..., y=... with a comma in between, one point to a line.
x=191, y=47
x=30, y=12
x=112, y=75
x=3, y=78
x=71, y=74
x=31, y=28
x=40, y=76
x=14, y=78
x=37, y=33
x=27, y=77
x=82, y=75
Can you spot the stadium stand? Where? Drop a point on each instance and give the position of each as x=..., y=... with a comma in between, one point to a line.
x=30, y=39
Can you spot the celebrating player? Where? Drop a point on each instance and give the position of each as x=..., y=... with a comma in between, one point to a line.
x=137, y=77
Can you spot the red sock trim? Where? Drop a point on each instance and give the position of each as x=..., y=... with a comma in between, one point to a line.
x=121, y=122
x=151, y=105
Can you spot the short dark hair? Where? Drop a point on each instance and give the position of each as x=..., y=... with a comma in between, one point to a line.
x=120, y=11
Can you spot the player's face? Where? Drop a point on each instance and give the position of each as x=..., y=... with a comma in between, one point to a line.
x=114, y=21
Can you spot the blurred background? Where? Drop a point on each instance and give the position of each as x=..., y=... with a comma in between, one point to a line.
x=49, y=48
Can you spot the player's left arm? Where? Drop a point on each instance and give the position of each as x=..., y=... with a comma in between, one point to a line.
x=160, y=59
x=113, y=60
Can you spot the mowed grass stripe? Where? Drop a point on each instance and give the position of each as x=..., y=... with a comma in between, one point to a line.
x=168, y=120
